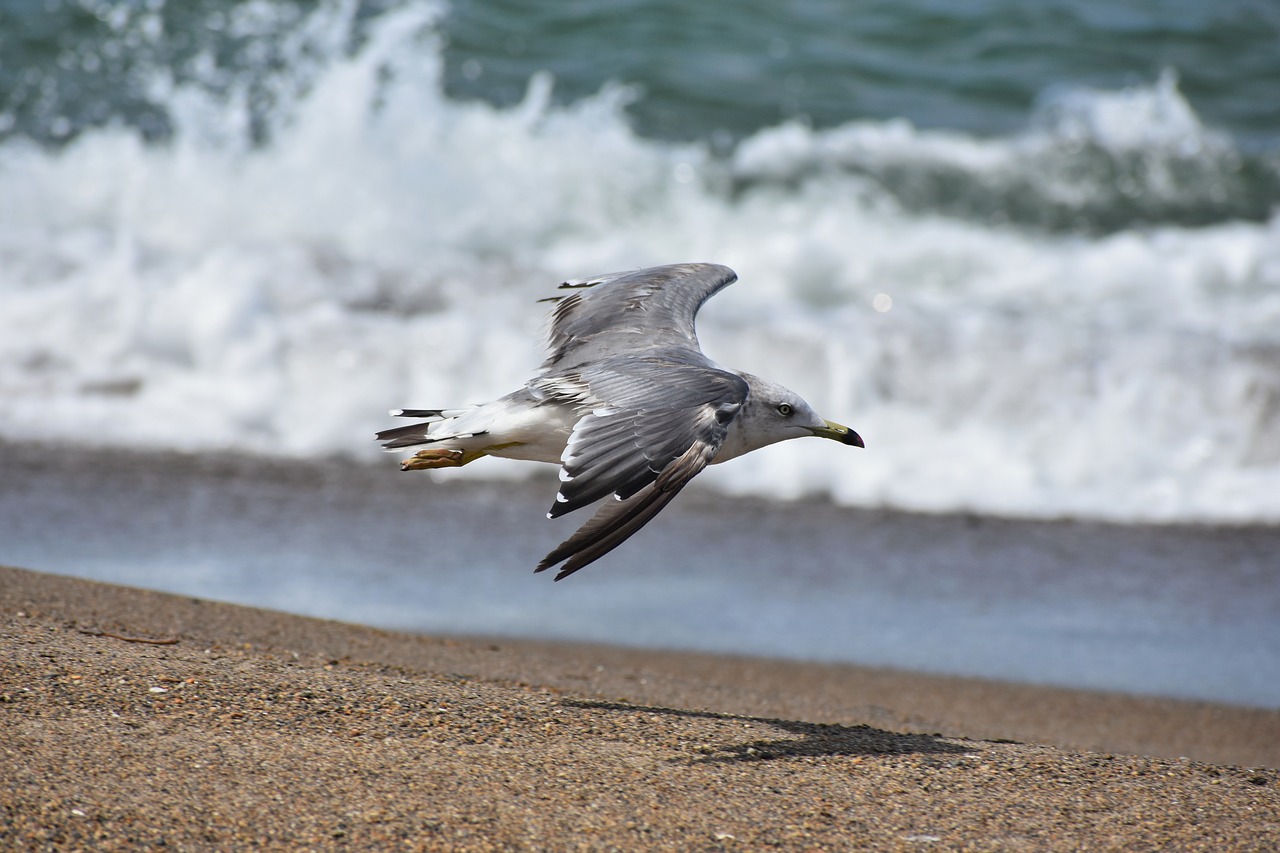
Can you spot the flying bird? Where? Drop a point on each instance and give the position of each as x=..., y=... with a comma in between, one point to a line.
x=626, y=403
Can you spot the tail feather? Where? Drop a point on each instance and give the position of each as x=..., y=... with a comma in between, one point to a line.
x=429, y=414
x=405, y=436
x=412, y=435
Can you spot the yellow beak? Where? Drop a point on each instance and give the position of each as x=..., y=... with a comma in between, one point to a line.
x=840, y=433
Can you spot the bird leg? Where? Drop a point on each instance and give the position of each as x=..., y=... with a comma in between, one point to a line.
x=435, y=458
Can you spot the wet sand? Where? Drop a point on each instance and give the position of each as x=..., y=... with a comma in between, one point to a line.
x=1177, y=610
x=132, y=719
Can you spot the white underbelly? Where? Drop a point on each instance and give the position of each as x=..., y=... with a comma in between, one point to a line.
x=538, y=434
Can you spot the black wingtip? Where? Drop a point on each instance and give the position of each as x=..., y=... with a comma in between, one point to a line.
x=547, y=563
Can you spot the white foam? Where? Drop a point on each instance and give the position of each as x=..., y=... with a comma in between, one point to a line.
x=384, y=248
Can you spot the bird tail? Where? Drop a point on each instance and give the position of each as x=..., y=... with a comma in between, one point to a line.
x=424, y=431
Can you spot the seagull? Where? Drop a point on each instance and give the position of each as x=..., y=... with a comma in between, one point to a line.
x=626, y=403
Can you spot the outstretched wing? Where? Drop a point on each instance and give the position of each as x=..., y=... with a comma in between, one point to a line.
x=640, y=310
x=658, y=424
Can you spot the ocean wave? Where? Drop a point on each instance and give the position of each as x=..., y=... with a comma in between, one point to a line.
x=1093, y=162
x=331, y=236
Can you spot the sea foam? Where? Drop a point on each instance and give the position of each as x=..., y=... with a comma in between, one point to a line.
x=1011, y=331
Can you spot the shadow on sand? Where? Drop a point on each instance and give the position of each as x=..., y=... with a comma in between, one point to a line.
x=805, y=740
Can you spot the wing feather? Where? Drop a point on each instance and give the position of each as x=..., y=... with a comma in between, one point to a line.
x=626, y=345
x=662, y=410
x=612, y=525
x=615, y=522
x=642, y=454
x=644, y=309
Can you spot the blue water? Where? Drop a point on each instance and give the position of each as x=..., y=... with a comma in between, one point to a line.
x=736, y=67
x=1173, y=611
x=706, y=70
x=714, y=73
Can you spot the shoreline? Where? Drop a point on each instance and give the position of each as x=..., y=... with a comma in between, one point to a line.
x=1157, y=611
x=263, y=728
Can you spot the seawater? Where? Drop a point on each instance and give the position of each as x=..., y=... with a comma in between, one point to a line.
x=1031, y=253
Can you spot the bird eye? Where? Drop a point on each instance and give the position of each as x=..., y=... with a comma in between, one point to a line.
x=785, y=410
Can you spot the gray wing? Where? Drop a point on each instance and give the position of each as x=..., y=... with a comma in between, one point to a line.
x=633, y=311
x=661, y=421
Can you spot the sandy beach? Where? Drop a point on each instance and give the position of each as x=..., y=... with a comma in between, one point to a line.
x=134, y=719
